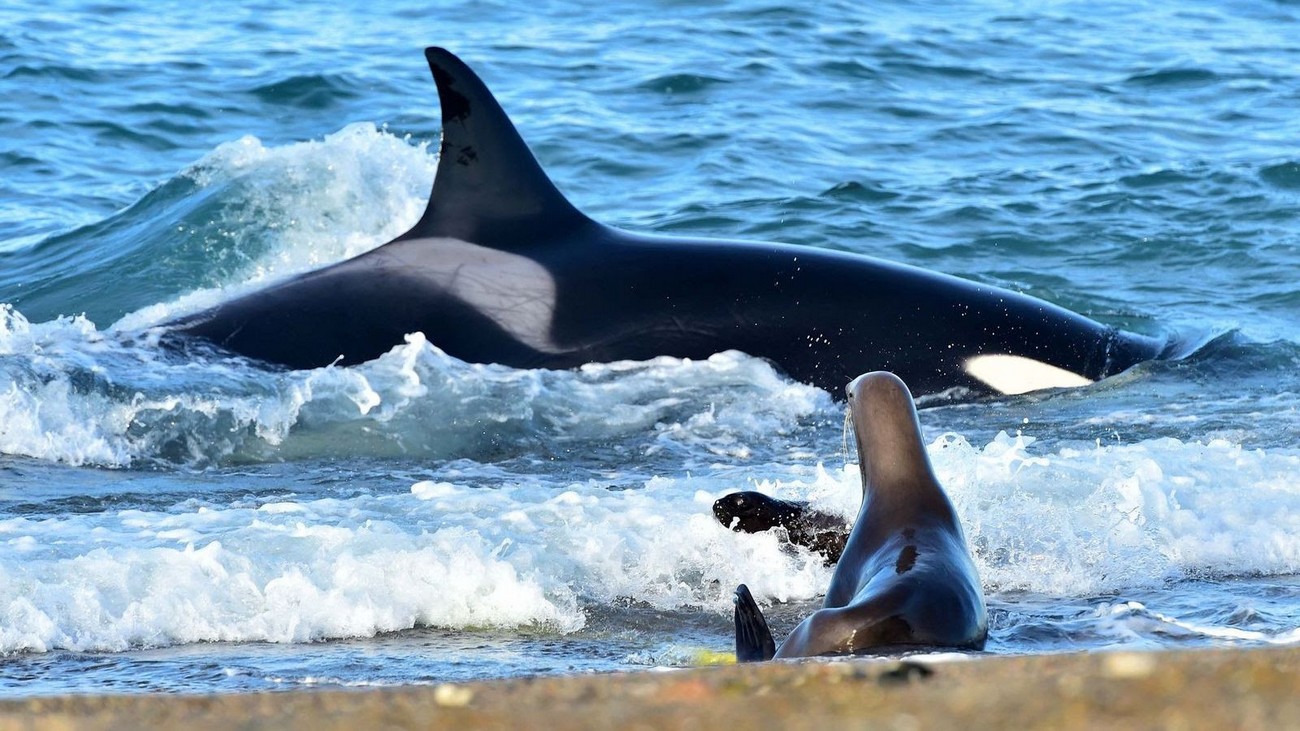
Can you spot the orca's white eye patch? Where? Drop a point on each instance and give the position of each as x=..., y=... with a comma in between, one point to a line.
x=1016, y=374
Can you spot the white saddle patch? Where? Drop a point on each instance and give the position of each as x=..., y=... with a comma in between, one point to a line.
x=513, y=291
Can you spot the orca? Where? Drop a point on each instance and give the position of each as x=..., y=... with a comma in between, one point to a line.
x=906, y=579
x=502, y=268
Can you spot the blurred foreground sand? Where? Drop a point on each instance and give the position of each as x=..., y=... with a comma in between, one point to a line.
x=1193, y=689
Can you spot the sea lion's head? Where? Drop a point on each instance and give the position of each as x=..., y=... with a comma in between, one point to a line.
x=752, y=512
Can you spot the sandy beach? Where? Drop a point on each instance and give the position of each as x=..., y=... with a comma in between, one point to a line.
x=1192, y=689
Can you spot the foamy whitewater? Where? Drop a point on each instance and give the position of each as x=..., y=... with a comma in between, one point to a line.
x=195, y=522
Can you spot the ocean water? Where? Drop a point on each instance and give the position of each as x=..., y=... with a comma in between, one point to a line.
x=173, y=524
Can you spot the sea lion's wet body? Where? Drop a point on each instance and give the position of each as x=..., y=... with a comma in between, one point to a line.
x=905, y=578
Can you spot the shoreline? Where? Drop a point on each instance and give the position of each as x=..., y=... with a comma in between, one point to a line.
x=1169, y=689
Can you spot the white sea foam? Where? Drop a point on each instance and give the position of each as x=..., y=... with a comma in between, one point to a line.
x=534, y=551
x=1081, y=522
x=319, y=202
x=439, y=555
x=74, y=396
x=1086, y=521
x=1132, y=621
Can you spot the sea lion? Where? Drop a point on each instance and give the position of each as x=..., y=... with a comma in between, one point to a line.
x=905, y=579
x=754, y=512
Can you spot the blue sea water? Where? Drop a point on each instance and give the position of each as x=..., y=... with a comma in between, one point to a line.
x=205, y=526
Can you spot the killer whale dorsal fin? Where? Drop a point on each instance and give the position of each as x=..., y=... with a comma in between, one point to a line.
x=489, y=189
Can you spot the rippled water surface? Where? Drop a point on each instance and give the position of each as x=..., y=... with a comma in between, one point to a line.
x=194, y=523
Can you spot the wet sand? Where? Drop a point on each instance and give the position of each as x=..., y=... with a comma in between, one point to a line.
x=1193, y=689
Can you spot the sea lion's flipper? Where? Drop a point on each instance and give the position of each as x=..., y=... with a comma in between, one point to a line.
x=753, y=639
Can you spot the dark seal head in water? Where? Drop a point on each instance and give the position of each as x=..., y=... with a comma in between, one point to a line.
x=501, y=268
x=905, y=579
x=754, y=512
